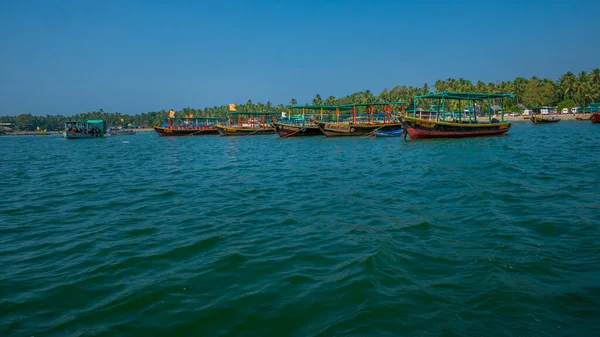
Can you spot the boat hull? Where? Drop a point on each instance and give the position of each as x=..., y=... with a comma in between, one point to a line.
x=595, y=118
x=395, y=133
x=79, y=135
x=233, y=131
x=288, y=130
x=542, y=120
x=121, y=133
x=349, y=130
x=170, y=132
x=422, y=128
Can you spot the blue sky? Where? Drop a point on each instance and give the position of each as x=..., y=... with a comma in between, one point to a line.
x=63, y=56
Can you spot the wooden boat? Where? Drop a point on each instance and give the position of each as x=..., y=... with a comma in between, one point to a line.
x=354, y=122
x=300, y=121
x=92, y=128
x=544, y=120
x=249, y=126
x=456, y=124
x=290, y=130
x=544, y=115
x=188, y=126
x=595, y=118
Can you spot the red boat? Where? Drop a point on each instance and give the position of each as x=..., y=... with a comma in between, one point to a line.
x=189, y=126
x=595, y=117
x=456, y=124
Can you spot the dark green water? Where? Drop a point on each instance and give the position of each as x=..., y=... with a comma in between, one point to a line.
x=259, y=236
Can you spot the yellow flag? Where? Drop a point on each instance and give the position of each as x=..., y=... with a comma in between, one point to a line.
x=122, y=121
x=191, y=115
x=171, y=114
x=232, y=107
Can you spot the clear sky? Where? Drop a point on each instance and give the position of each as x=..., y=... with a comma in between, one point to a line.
x=70, y=56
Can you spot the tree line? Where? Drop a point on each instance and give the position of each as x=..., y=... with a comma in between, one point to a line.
x=568, y=91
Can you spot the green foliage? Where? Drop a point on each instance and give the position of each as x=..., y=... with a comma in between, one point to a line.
x=568, y=91
x=569, y=103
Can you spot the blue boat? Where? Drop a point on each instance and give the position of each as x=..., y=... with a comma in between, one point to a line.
x=391, y=133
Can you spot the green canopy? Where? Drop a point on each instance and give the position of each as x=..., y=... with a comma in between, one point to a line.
x=233, y=113
x=464, y=96
x=374, y=103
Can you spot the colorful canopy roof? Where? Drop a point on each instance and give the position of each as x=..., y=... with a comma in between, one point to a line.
x=375, y=103
x=197, y=117
x=464, y=96
x=254, y=113
x=315, y=107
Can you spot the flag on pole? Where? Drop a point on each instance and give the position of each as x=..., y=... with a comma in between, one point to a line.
x=171, y=113
x=232, y=107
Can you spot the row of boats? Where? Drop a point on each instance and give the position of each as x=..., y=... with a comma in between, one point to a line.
x=448, y=115
x=452, y=115
x=448, y=118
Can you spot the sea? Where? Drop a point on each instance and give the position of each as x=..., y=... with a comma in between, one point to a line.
x=309, y=236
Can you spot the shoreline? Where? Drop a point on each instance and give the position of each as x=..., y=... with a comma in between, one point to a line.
x=49, y=133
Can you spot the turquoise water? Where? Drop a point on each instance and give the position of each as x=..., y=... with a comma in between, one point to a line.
x=260, y=236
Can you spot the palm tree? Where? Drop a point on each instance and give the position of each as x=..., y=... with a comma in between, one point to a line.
x=595, y=76
x=317, y=100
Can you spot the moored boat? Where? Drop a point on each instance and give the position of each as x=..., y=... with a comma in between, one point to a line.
x=393, y=133
x=188, y=126
x=544, y=120
x=92, y=128
x=248, y=123
x=461, y=123
x=544, y=115
x=286, y=130
x=595, y=118
x=300, y=121
x=362, y=119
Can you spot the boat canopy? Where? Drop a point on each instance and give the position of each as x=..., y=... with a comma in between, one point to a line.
x=86, y=125
x=373, y=104
x=370, y=112
x=465, y=96
x=203, y=118
x=251, y=120
x=314, y=107
x=455, y=105
x=254, y=113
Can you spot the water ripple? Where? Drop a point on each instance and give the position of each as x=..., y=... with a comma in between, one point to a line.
x=218, y=236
